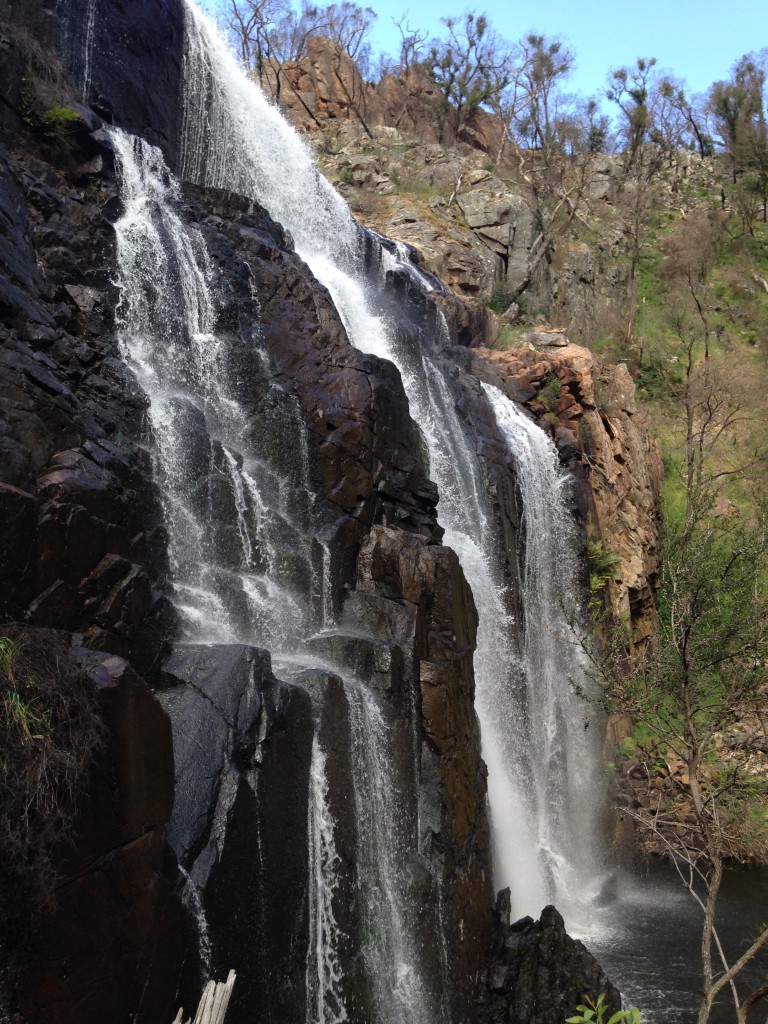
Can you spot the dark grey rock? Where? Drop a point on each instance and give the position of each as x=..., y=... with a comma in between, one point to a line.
x=242, y=745
x=536, y=973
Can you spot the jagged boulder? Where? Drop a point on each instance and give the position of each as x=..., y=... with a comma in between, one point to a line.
x=538, y=974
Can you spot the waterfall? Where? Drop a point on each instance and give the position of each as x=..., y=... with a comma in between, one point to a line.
x=237, y=556
x=226, y=511
x=233, y=138
x=564, y=782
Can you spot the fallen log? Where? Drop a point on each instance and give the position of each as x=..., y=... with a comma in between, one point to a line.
x=213, y=1004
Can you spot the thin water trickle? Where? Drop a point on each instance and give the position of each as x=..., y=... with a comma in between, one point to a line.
x=191, y=898
x=325, y=1003
x=393, y=952
x=90, y=25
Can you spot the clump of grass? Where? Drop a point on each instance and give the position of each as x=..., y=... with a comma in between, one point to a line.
x=57, y=121
x=501, y=298
x=549, y=392
x=49, y=729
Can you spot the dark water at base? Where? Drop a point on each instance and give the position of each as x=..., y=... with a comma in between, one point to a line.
x=648, y=942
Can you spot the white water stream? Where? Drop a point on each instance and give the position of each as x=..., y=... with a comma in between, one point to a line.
x=565, y=784
x=385, y=846
x=225, y=506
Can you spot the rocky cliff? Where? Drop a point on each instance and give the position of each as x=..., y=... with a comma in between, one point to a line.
x=213, y=772
x=468, y=204
x=602, y=435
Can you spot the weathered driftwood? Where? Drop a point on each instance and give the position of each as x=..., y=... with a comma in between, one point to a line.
x=213, y=1005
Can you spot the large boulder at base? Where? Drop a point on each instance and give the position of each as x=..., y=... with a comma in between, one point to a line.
x=242, y=744
x=538, y=974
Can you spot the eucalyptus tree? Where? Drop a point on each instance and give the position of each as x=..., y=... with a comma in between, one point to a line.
x=471, y=67
x=737, y=107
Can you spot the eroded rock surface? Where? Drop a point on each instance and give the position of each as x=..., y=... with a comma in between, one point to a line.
x=537, y=972
x=602, y=433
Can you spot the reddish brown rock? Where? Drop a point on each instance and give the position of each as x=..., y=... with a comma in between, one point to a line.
x=428, y=581
x=114, y=947
x=593, y=415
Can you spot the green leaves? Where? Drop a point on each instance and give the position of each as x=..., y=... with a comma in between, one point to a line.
x=591, y=1012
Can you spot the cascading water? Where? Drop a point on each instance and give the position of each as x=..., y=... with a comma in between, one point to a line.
x=225, y=591
x=225, y=507
x=224, y=116
x=564, y=778
x=226, y=513
x=234, y=139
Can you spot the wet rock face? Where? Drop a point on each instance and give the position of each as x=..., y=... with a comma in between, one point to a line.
x=84, y=548
x=242, y=744
x=124, y=58
x=115, y=947
x=414, y=594
x=538, y=974
x=365, y=458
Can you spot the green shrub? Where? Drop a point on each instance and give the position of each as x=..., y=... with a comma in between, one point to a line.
x=56, y=122
x=603, y=566
x=501, y=298
x=590, y=1012
x=549, y=392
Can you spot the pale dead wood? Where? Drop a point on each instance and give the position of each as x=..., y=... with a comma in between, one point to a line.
x=213, y=1004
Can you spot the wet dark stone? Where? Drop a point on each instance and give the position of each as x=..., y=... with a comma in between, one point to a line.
x=135, y=63
x=242, y=747
x=536, y=973
x=114, y=946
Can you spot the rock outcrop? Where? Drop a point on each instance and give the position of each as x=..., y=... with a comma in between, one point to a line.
x=537, y=972
x=414, y=594
x=602, y=434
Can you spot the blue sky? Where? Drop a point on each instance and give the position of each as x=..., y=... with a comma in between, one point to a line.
x=697, y=41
